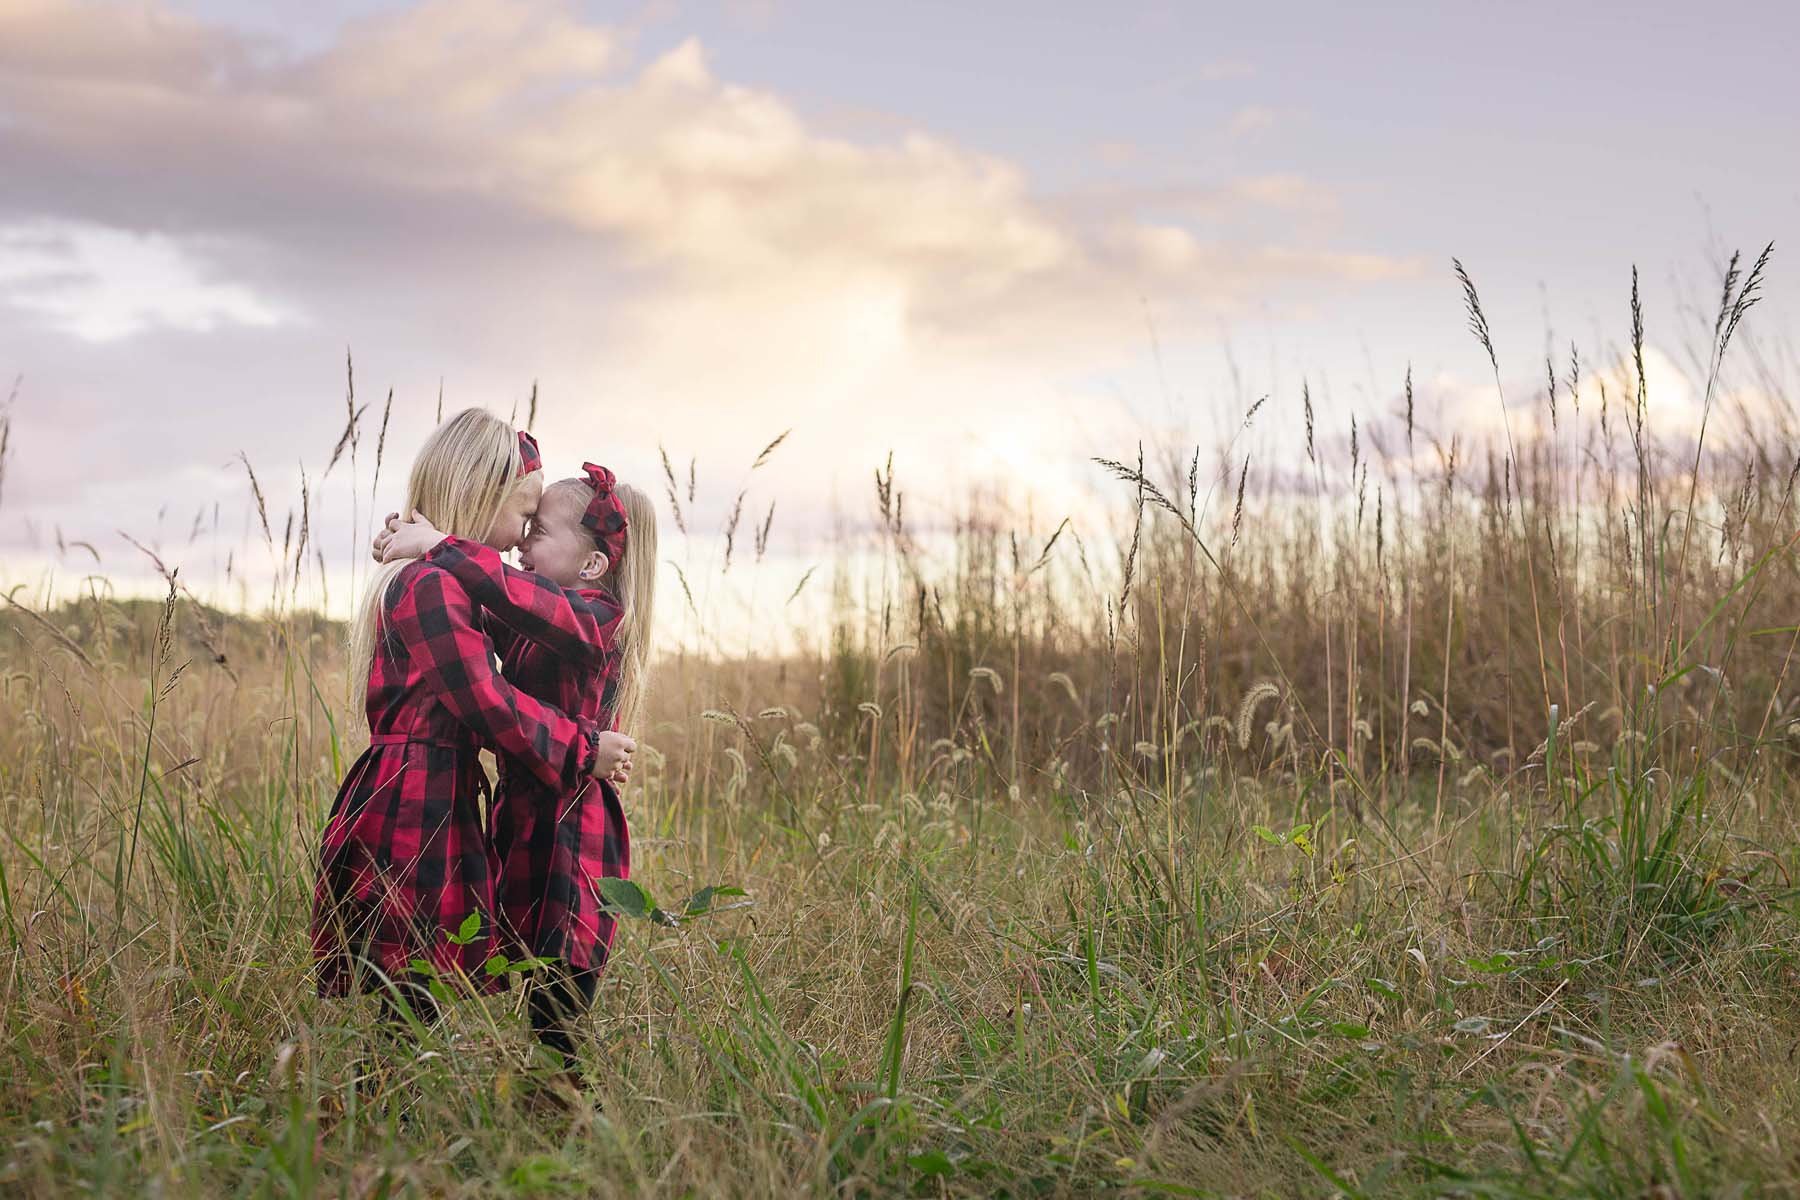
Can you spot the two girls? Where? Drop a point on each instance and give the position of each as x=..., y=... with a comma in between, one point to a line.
x=404, y=861
x=405, y=891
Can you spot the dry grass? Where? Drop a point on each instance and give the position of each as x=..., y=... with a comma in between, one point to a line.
x=1430, y=833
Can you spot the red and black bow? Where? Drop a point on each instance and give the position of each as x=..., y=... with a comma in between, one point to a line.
x=529, y=458
x=605, y=516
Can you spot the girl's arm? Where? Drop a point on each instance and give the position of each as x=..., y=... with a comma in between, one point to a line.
x=498, y=632
x=577, y=625
x=454, y=656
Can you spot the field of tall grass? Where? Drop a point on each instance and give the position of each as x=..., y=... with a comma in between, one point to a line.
x=1419, y=818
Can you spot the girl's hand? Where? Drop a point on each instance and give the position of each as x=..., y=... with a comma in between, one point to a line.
x=611, y=755
x=382, y=538
x=410, y=539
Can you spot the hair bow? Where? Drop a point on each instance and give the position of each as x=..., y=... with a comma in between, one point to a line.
x=529, y=458
x=605, y=516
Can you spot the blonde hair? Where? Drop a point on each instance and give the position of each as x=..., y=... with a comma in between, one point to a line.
x=461, y=480
x=634, y=583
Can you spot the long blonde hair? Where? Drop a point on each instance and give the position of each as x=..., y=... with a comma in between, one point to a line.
x=633, y=581
x=463, y=476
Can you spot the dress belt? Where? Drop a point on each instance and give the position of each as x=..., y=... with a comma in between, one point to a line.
x=401, y=739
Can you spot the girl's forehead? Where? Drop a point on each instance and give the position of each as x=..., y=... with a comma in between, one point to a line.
x=561, y=505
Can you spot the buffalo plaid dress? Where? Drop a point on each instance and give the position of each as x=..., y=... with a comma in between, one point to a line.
x=553, y=842
x=403, y=861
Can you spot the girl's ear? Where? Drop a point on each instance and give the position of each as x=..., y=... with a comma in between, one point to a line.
x=595, y=566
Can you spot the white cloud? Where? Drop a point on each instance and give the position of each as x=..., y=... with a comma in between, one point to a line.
x=1673, y=403
x=101, y=284
x=1671, y=400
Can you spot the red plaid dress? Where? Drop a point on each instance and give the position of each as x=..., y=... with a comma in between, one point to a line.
x=403, y=860
x=553, y=843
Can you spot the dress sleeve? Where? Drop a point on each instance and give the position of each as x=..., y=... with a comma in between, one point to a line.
x=456, y=663
x=581, y=626
x=498, y=632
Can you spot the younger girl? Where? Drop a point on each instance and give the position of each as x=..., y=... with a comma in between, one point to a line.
x=597, y=540
x=403, y=862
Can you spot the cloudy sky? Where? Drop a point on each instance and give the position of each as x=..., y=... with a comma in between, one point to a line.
x=995, y=239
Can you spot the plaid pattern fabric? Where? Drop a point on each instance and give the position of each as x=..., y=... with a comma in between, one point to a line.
x=403, y=859
x=554, y=846
x=580, y=626
x=605, y=516
x=552, y=843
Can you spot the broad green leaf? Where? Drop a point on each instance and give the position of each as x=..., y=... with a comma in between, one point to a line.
x=932, y=1162
x=626, y=896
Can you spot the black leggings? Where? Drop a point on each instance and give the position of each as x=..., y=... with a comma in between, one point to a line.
x=555, y=1000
